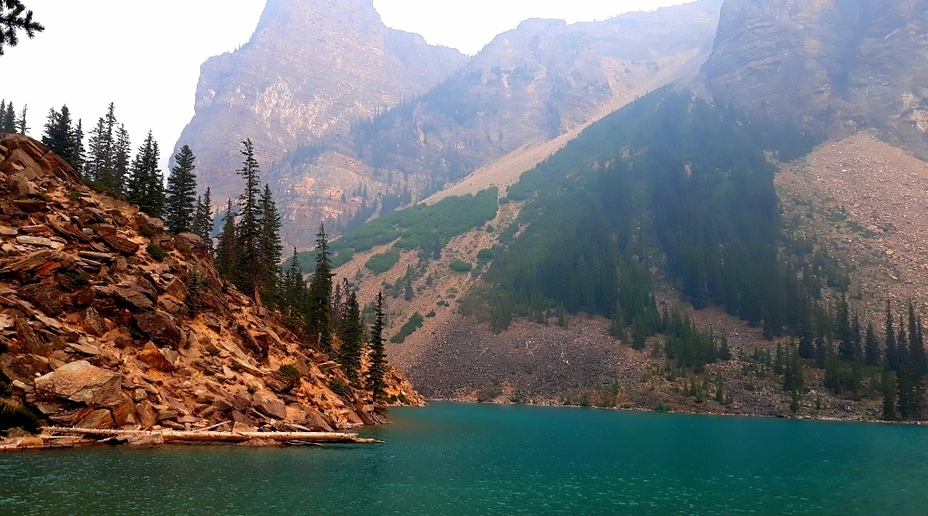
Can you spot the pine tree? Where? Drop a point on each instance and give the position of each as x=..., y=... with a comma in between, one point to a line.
x=78, y=158
x=294, y=295
x=352, y=336
x=14, y=18
x=916, y=368
x=871, y=347
x=58, y=133
x=202, y=224
x=892, y=352
x=251, y=267
x=21, y=126
x=227, y=246
x=318, y=317
x=271, y=247
x=101, y=166
x=378, y=358
x=122, y=148
x=8, y=119
x=145, y=186
x=888, y=383
x=179, y=205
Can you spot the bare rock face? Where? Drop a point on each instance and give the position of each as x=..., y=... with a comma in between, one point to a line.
x=159, y=327
x=310, y=68
x=833, y=67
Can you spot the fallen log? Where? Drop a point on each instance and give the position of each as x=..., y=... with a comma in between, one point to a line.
x=221, y=437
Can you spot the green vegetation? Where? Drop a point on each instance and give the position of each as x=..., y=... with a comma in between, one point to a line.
x=338, y=386
x=461, y=266
x=156, y=252
x=414, y=323
x=383, y=262
x=14, y=18
x=290, y=371
x=671, y=182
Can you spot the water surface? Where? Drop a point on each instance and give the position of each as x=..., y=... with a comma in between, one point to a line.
x=484, y=459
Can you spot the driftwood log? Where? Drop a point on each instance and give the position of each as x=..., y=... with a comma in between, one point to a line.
x=220, y=437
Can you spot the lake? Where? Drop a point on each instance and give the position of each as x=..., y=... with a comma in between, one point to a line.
x=485, y=459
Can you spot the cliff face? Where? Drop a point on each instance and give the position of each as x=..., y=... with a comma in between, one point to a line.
x=310, y=68
x=833, y=66
x=527, y=86
x=108, y=322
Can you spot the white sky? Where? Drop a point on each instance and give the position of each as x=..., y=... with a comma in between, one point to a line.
x=146, y=56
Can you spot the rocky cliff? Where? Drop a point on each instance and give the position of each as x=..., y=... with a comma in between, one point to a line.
x=312, y=86
x=833, y=66
x=310, y=68
x=527, y=86
x=106, y=321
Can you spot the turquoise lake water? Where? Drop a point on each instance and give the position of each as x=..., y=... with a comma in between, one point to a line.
x=485, y=459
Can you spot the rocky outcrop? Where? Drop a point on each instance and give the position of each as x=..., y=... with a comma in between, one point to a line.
x=833, y=67
x=100, y=336
x=310, y=69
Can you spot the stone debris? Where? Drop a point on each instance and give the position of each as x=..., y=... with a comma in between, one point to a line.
x=96, y=334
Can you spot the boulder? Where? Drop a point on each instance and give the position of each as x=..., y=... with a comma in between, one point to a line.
x=120, y=243
x=97, y=419
x=177, y=289
x=46, y=298
x=132, y=298
x=92, y=322
x=316, y=422
x=23, y=367
x=269, y=405
x=147, y=415
x=170, y=304
x=81, y=382
x=146, y=223
x=124, y=413
x=161, y=359
x=19, y=186
x=159, y=327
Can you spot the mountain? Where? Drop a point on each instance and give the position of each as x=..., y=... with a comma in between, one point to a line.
x=108, y=322
x=528, y=86
x=833, y=67
x=309, y=69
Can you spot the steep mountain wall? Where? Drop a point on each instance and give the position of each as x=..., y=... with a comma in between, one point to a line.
x=310, y=68
x=527, y=86
x=833, y=66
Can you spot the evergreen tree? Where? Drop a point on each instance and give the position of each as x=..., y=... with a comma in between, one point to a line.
x=122, y=148
x=62, y=137
x=251, y=267
x=318, y=317
x=888, y=383
x=101, y=166
x=916, y=366
x=871, y=347
x=14, y=18
x=352, y=336
x=179, y=205
x=145, y=186
x=293, y=297
x=271, y=247
x=78, y=157
x=892, y=352
x=8, y=119
x=202, y=224
x=378, y=358
x=21, y=126
x=227, y=246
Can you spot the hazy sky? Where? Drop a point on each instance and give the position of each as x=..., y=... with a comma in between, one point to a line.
x=146, y=56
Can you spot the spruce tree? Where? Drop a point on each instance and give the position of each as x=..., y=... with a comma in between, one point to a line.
x=377, y=367
x=294, y=295
x=352, y=336
x=916, y=367
x=78, y=158
x=318, y=317
x=271, y=247
x=888, y=384
x=145, y=186
x=21, y=126
x=202, y=224
x=122, y=149
x=8, y=119
x=892, y=352
x=251, y=266
x=101, y=165
x=15, y=18
x=179, y=205
x=871, y=347
x=227, y=246
x=58, y=133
